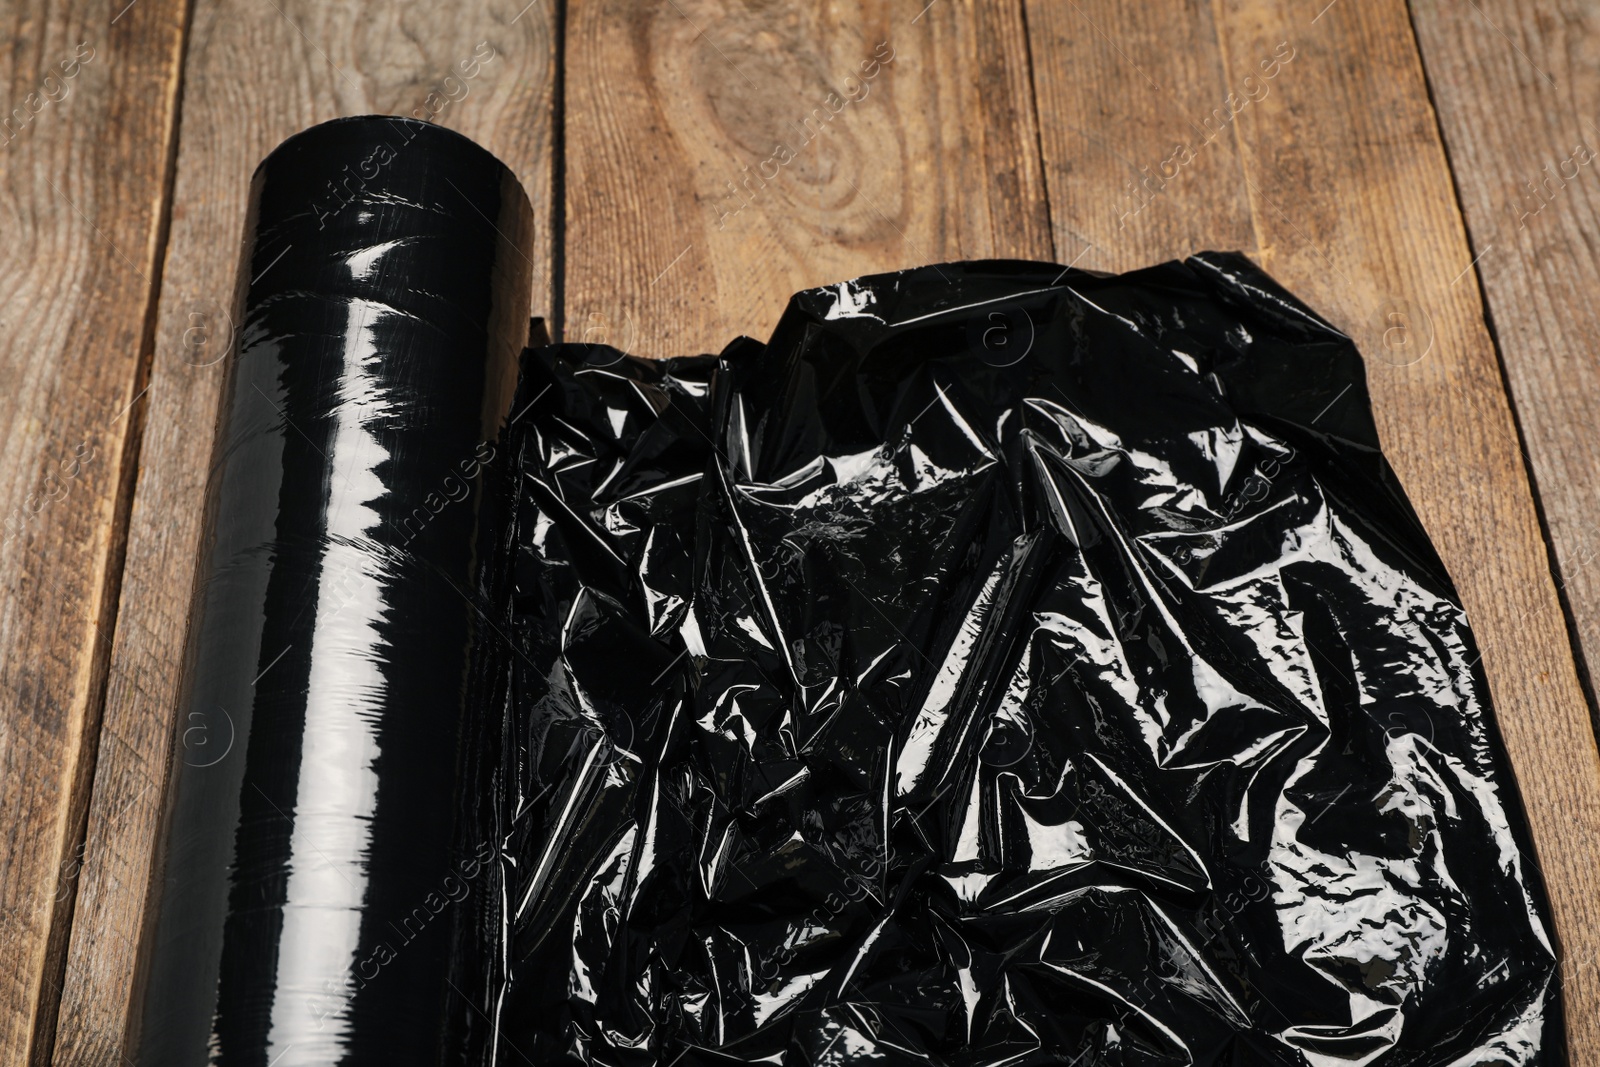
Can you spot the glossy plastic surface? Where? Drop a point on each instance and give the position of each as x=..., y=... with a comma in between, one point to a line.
x=319, y=857
x=1003, y=665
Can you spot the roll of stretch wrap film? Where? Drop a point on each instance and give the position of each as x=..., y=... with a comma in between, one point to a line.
x=315, y=853
x=1002, y=665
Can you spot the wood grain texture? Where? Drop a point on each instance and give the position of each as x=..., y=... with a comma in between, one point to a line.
x=256, y=73
x=1117, y=99
x=1330, y=173
x=84, y=152
x=721, y=156
x=1518, y=97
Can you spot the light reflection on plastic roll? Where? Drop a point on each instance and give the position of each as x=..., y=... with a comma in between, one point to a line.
x=338, y=788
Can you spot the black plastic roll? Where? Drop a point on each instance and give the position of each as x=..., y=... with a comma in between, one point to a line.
x=320, y=862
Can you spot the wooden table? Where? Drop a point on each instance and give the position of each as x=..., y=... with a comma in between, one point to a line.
x=1424, y=176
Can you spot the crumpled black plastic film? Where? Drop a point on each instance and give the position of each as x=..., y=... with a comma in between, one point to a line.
x=1002, y=665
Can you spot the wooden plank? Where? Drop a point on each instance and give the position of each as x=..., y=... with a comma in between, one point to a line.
x=721, y=157
x=1517, y=98
x=256, y=73
x=85, y=148
x=1335, y=166
x=1116, y=100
